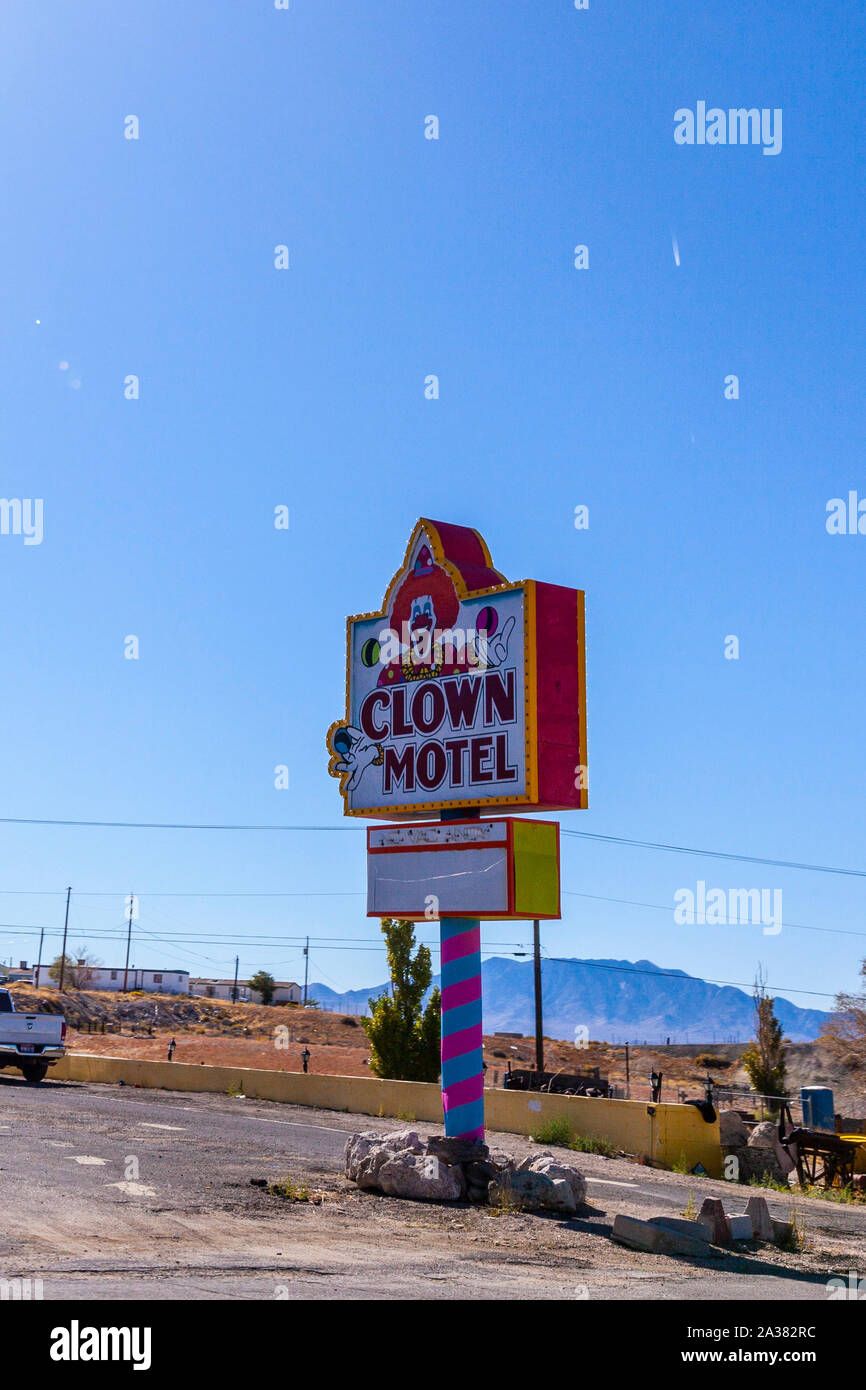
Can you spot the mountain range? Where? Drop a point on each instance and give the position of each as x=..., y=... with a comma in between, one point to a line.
x=614, y=1000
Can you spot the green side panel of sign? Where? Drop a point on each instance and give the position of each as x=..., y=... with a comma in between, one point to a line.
x=536, y=869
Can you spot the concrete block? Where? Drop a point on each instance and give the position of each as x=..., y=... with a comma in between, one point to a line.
x=762, y=1222
x=696, y=1229
x=783, y=1231
x=642, y=1235
x=741, y=1227
x=712, y=1215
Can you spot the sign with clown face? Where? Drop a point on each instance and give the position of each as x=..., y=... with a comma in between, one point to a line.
x=464, y=691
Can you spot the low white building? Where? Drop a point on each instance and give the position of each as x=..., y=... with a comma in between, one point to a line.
x=222, y=989
x=104, y=977
x=285, y=991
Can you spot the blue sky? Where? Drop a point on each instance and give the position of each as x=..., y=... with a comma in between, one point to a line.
x=304, y=387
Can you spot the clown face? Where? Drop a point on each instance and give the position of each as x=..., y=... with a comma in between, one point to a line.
x=422, y=622
x=422, y=616
x=425, y=604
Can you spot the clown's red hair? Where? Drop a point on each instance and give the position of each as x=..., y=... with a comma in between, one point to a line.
x=437, y=584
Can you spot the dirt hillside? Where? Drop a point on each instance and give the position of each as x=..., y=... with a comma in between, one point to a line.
x=273, y=1037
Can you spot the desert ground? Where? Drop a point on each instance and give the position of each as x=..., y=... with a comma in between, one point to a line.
x=120, y=1192
x=246, y=1035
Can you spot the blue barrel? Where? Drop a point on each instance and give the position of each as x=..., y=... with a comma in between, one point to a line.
x=818, y=1111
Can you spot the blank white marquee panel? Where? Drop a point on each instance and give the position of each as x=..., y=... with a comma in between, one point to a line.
x=463, y=869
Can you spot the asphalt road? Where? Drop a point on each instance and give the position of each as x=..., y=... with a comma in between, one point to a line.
x=119, y=1192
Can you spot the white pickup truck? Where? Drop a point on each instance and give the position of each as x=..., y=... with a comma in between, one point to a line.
x=33, y=1042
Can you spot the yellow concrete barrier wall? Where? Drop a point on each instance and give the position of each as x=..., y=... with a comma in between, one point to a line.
x=362, y=1095
x=667, y=1134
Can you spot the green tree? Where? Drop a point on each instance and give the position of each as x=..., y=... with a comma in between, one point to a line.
x=264, y=983
x=764, y=1058
x=844, y=1035
x=405, y=1037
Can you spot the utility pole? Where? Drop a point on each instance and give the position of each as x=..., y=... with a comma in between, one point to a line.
x=39, y=961
x=63, y=952
x=306, y=969
x=627, y=1076
x=128, y=940
x=539, y=1024
x=235, y=985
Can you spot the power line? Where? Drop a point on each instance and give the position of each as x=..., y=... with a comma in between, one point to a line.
x=578, y=834
x=160, y=825
x=180, y=944
x=666, y=907
x=678, y=975
x=714, y=854
x=205, y=893
x=323, y=944
x=258, y=939
x=317, y=893
x=191, y=955
x=55, y=893
x=567, y=893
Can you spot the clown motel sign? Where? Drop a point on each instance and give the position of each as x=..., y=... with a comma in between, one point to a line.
x=502, y=868
x=465, y=698
x=463, y=690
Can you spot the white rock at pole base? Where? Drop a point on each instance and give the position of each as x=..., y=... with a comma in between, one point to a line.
x=366, y=1153
x=531, y=1190
x=421, y=1177
x=554, y=1168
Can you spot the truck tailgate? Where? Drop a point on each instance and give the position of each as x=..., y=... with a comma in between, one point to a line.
x=36, y=1030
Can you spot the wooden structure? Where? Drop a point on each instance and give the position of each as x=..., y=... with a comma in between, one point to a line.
x=821, y=1158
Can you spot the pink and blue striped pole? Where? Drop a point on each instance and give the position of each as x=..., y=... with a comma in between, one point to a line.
x=462, y=1044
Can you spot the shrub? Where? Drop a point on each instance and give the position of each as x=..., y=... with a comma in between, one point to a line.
x=690, y=1210
x=771, y=1184
x=709, y=1062
x=796, y=1241
x=555, y=1131
x=288, y=1188
x=559, y=1131
x=592, y=1144
x=506, y=1202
